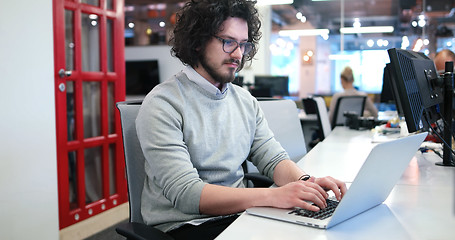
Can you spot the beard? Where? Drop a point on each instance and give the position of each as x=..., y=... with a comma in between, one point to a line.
x=217, y=75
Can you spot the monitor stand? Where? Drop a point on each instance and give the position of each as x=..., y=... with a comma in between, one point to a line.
x=448, y=157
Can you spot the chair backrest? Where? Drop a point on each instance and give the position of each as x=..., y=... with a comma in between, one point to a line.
x=316, y=105
x=309, y=106
x=323, y=116
x=282, y=117
x=134, y=158
x=354, y=104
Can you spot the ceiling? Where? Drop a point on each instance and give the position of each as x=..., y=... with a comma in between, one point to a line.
x=327, y=14
x=400, y=14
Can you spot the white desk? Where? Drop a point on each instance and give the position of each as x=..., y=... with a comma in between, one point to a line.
x=421, y=205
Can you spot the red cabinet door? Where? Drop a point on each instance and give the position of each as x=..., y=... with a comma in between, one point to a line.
x=89, y=79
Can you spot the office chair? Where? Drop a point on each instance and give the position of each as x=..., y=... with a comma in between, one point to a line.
x=316, y=105
x=134, y=161
x=282, y=118
x=323, y=117
x=309, y=105
x=136, y=229
x=352, y=104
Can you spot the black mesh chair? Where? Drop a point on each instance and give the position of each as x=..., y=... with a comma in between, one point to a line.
x=344, y=104
x=316, y=105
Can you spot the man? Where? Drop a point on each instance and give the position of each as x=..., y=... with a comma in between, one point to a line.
x=441, y=58
x=197, y=128
x=347, y=82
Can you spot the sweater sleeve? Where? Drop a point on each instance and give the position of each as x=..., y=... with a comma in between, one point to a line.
x=159, y=129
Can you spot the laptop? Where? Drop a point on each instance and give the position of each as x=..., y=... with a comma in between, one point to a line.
x=375, y=180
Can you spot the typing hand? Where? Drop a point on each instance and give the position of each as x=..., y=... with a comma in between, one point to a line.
x=331, y=184
x=300, y=194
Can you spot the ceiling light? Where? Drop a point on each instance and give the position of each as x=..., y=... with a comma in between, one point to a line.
x=356, y=23
x=422, y=22
x=159, y=6
x=378, y=29
x=273, y=2
x=370, y=43
x=405, y=42
x=129, y=8
x=418, y=45
x=305, y=32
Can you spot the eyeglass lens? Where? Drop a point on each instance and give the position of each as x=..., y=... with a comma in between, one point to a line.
x=230, y=46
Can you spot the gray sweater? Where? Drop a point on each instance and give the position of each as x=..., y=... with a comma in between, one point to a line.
x=191, y=137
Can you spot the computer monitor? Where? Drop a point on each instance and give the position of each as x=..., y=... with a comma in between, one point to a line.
x=389, y=96
x=238, y=80
x=421, y=92
x=141, y=76
x=415, y=81
x=271, y=86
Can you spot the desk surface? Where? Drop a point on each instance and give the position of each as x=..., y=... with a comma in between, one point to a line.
x=421, y=205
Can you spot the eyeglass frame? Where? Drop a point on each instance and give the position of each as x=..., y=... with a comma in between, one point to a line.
x=238, y=45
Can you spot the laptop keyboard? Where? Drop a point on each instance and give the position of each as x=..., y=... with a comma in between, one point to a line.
x=322, y=214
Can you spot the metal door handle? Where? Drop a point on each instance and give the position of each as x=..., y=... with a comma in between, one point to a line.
x=62, y=73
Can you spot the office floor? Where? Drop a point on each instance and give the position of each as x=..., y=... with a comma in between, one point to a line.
x=107, y=234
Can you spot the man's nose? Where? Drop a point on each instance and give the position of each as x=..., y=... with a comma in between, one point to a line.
x=237, y=53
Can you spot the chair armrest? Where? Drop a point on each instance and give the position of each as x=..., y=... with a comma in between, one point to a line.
x=259, y=180
x=140, y=231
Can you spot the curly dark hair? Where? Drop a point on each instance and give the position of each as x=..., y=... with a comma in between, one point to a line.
x=199, y=20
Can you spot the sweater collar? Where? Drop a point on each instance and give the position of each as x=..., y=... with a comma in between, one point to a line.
x=204, y=83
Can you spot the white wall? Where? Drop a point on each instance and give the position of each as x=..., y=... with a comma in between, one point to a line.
x=307, y=72
x=28, y=171
x=261, y=62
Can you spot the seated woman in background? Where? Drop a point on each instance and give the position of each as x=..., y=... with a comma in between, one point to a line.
x=347, y=82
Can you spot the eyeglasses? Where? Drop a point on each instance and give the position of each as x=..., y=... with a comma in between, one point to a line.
x=229, y=45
